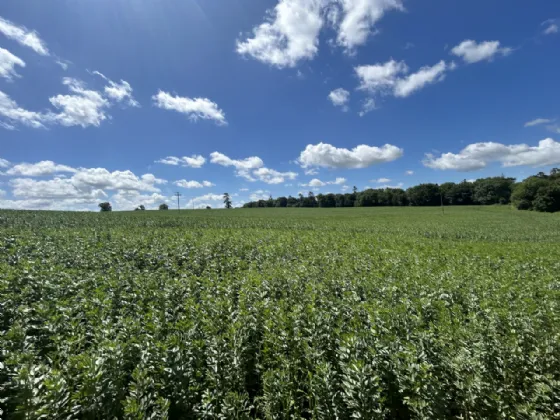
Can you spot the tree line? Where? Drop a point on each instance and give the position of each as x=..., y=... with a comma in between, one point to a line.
x=540, y=192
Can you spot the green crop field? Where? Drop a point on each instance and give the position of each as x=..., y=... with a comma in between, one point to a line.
x=362, y=313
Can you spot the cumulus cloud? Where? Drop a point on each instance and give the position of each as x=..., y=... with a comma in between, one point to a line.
x=291, y=30
x=289, y=34
x=129, y=200
x=259, y=195
x=203, y=201
x=194, y=161
x=359, y=18
x=195, y=109
x=10, y=110
x=537, y=121
x=4, y=163
x=311, y=171
x=409, y=173
x=380, y=77
x=252, y=169
x=381, y=180
x=8, y=62
x=84, y=108
x=43, y=168
x=193, y=184
x=23, y=36
x=362, y=156
x=472, y=52
x=340, y=97
x=392, y=78
x=81, y=191
x=318, y=183
x=479, y=155
x=270, y=176
x=119, y=92
x=416, y=81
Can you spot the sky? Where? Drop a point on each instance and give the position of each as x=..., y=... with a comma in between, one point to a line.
x=131, y=101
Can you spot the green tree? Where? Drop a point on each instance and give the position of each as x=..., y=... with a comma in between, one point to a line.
x=424, y=195
x=140, y=208
x=227, y=201
x=163, y=206
x=495, y=190
x=105, y=206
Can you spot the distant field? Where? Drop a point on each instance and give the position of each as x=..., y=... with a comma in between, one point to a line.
x=280, y=313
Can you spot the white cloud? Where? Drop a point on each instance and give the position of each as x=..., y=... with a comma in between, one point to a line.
x=101, y=178
x=381, y=180
x=43, y=168
x=318, y=183
x=340, y=97
x=4, y=163
x=359, y=17
x=291, y=30
x=7, y=126
x=270, y=176
x=289, y=34
x=472, y=52
x=312, y=171
x=259, y=195
x=119, y=92
x=23, y=36
x=2, y=193
x=129, y=200
x=393, y=187
x=203, y=201
x=9, y=109
x=195, y=109
x=194, y=161
x=424, y=76
x=64, y=64
x=8, y=61
x=479, y=155
x=84, y=108
x=537, y=121
x=367, y=106
x=252, y=162
x=243, y=189
x=362, y=156
x=193, y=184
x=380, y=78
x=409, y=173
x=551, y=27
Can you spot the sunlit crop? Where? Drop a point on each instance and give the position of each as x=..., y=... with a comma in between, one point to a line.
x=359, y=313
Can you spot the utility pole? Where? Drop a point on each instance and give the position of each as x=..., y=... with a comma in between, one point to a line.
x=177, y=194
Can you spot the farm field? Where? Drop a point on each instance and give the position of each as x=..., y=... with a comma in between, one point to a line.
x=364, y=313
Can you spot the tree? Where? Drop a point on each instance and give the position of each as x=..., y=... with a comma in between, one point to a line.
x=140, y=207
x=227, y=201
x=424, y=195
x=281, y=202
x=495, y=190
x=208, y=208
x=163, y=206
x=105, y=206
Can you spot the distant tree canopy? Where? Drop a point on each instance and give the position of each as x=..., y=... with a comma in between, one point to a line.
x=140, y=207
x=105, y=206
x=163, y=206
x=540, y=192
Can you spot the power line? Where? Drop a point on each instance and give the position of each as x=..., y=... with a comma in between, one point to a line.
x=177, y=194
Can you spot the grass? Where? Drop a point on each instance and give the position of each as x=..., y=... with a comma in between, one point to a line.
x=280, y=313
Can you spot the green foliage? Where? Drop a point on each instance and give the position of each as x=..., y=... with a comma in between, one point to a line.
x=105, y=206
x=365, y=313
x=163, y=206
x=227, y=201
x=540, y=192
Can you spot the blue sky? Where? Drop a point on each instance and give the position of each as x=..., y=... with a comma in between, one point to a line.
x=130, y=101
